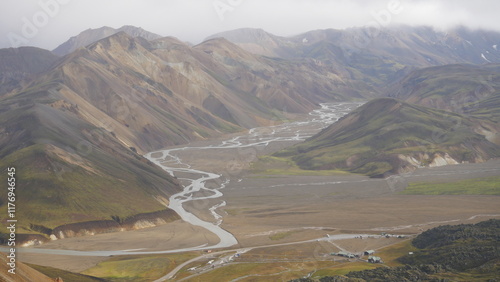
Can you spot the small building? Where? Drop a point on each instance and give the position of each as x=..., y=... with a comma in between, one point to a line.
x=374, y=259
x=369, y=252
x=345, y=254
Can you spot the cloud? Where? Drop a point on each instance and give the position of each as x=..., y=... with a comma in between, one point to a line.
x=193, y=20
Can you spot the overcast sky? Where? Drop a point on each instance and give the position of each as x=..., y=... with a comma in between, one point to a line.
x=48, y=23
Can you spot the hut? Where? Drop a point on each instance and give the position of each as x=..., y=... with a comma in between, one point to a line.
x=374, y=259
x=369, y=252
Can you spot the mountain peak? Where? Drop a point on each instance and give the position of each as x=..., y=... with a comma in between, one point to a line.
x=90, y=36
x=243, y=35
x=121, y=38
x=255, y=40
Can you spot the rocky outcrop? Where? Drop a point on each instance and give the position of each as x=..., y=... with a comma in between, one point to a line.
x=25, y=240
x=85, y=229
x=90, y=228
x=135, y=222
x=419, y=160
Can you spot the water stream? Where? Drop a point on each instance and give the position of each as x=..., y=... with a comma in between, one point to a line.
x=197, y=179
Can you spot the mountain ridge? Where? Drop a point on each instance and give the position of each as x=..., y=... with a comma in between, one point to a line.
x=456, y=87
x=375, y=57
x=387, y=136
x=455, y=41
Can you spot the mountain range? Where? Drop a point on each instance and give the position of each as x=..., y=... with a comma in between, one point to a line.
x=375, y=56
x=77, y=125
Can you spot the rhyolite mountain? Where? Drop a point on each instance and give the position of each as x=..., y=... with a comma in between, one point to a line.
x=462, y=88
x=387, y=136
x=152, y=94
x=257, y=41
x=417, y=46
x=374, y=57
x=470, y=90
x=90, y=36
x=69, y=170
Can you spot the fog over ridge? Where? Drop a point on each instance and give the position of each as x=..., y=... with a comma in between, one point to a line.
x=48, y=23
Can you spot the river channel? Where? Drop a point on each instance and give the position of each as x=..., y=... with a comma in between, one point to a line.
x=196, y=180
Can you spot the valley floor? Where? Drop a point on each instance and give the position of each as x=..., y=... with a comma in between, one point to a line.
x=262, y=209
x=275, y=209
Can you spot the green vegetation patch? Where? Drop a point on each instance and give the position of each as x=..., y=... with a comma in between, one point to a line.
x=391, y=253
x=75, y=195
x=272, y=271
x=271, y=165
x=281, y=235
x=343, y=269
x=138, y=268
x=374, y=168
x=65, y=275
x=459, y=247
x=476, y=186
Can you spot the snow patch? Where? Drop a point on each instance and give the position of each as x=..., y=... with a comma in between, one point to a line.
x=484, y=58
x=494, y=47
